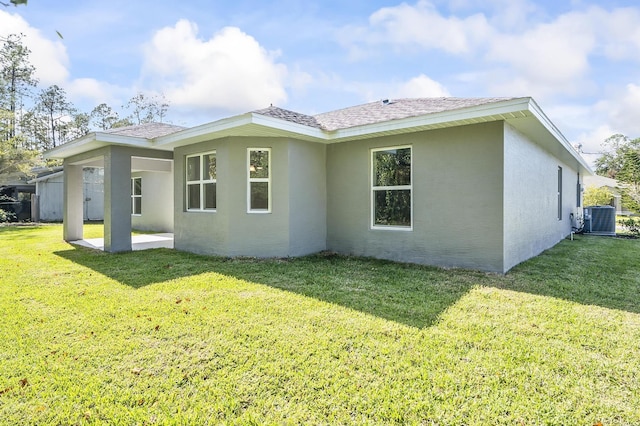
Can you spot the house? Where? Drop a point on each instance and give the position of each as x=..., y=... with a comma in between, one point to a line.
x=613, y=186
x=49, y=194
x=482, y=183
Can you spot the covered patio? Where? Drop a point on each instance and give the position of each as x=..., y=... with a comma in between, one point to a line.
x=138, y=186
x=138, y=242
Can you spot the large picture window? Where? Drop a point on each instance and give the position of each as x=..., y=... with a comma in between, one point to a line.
x=391, y=205
x=201, y=182
x=136, y=196
x=259, y=180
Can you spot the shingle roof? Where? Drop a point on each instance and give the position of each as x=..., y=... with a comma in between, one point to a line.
x=146, y=130
x=292, y=116
x=376, y=112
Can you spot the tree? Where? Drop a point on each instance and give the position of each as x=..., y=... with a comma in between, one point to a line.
x=621, y=161
x=53, y=107
x=597, y=196
x=147, y=109
x=103, y=117
x=17, y=78
x=13, y=2
x=612, y=159
x=15, y=160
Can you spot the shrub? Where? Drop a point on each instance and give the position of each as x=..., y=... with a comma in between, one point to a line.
x=631, y=226
x=597, y=196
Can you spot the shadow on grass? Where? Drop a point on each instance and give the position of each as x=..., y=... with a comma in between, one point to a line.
x=409, y=294
x=590, y=271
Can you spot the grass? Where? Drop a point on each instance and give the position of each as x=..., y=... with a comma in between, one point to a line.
x=163, y=337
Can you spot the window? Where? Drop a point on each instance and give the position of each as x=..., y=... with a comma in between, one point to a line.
x=391, y=205
x=136, y=196
x=259, y=180
x=201, y=182
x=559, y=193
x=578, y=193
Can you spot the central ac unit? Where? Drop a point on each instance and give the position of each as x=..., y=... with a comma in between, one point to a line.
x=603, y=220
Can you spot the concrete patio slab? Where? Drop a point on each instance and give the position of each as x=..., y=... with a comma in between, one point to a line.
x=138, y=242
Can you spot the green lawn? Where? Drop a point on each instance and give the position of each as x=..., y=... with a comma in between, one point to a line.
x=163, y=337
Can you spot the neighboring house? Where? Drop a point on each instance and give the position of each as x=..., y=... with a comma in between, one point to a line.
x=613, y=186
x=482, y=183
x=49, y=191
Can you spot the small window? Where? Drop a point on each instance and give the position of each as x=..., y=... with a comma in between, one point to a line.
x=136, y=196
x=259, y=180
x=578, y=193
x=391, y=192
x=201, y=182
x=559, y=193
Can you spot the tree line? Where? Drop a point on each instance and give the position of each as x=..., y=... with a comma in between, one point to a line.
x=34, y=119
x=619, y=160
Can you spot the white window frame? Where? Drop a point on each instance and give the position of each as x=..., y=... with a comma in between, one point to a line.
x=201, y=182
x=251, y=180
x=374, y=188
x=560, y=193
x=134, y=196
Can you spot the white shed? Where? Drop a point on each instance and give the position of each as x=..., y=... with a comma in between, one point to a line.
x=50, y=196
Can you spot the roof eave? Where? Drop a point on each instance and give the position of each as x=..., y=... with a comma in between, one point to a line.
x=476, y=114
x=249, y=124
x=93, y=141
x=557, y=134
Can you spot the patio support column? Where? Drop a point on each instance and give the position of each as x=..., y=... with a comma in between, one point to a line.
x=72, y=205
x=117, y=200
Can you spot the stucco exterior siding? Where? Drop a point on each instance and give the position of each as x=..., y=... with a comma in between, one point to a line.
x=258, y=234
x=296, y=224
x=157, y=209
x=457, y=199
x=307, y=198
x=531, y=202
x=201, y=232
x=482, y=196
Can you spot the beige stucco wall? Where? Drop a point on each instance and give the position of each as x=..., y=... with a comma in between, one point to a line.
x=307, y=198
x=457, y=199
x=530, y=192
x=484, y=197
x=296, y=224
x=157, y=208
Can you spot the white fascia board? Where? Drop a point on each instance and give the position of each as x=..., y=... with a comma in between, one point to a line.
x=289, y=128
x=557, y=134
x=202, y=132
x=46, y=177
x=61, y=151
x=222, y=127
x=93, y=141
x=470, y=113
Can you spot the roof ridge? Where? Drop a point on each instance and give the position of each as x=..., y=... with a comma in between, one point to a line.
x=378, y=111
x=288, y=115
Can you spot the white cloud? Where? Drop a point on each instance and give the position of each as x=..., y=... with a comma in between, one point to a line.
x=48, y=57
x=593, y=124
x=419, y=87
x=94, y=92
x=551, y=55
x=524, y=53
x=621, y=109
x=618, y=32
x=416, y=87
x=424, y=26
x=231, y=71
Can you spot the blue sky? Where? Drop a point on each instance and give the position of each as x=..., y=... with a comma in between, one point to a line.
x=211, y=59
